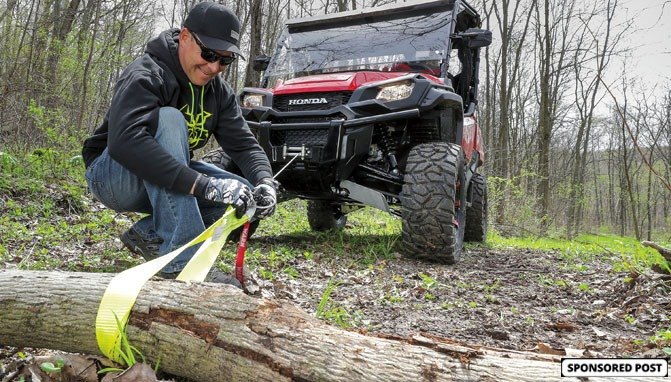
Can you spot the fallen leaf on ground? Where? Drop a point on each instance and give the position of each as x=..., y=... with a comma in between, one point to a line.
x=547, y=349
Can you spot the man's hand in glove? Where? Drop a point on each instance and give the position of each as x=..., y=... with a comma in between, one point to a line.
x=225, y=191
x=265, y=196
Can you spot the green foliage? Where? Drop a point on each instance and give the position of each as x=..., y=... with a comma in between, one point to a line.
x=393, y=296
x=631, y=320
x=126, y=351
x=626, y=253
x=326, y=296
x=584, y=287
x=490, y=288
x=512, y=196
x=7, y=161
x=49, y=367
x=43, y=206
x=428, y=282
x=291, y=272
x=332, y=312
x=662, y=338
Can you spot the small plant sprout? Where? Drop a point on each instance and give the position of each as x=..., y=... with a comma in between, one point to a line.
x=394, y=296
x=428, y=282
x=326, y=296
x=490, y=288
x=661, y=336
x=631, y=320
x=398, y=279
x=584, y=287
x=125, y=350
x=49, y=367
x=307, y=255
x=266, y=274
x=291, y=272
x=331, y=312
x=430, y=297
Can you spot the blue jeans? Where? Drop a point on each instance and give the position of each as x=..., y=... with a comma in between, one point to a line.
x=174, y=217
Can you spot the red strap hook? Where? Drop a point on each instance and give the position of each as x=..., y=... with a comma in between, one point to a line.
x=240, y=258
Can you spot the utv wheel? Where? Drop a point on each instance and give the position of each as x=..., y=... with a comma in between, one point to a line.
x=324, y=216
x=476, y=214
x=220, y=159
x=433, y=202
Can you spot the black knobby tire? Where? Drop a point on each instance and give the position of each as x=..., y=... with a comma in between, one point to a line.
x=433, y=202
x=476, y=214
x=324, y=216
x=220, y=159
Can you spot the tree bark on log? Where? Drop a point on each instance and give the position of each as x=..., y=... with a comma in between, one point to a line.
x=665, y=252
x=214, y=332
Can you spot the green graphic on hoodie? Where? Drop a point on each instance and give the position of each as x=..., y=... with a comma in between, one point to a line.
x=195, y=120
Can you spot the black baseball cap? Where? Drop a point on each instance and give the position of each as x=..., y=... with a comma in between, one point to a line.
x=216, y=26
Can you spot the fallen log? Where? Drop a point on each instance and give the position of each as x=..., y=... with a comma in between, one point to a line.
x=665, y=252
x=213, y=332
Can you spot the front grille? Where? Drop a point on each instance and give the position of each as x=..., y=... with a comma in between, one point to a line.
x=424, y=131
x=333, y=99
x=310, y=119
x=308, y=137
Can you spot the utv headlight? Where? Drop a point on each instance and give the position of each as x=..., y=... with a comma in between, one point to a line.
x=395, y=92
x=252, y=100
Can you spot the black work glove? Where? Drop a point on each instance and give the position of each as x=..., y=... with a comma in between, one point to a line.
x=265, y=196
x=225, y=191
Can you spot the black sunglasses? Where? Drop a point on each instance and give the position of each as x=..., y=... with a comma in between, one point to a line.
x=211, y=56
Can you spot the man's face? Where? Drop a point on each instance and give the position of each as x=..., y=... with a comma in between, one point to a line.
x=199, y=71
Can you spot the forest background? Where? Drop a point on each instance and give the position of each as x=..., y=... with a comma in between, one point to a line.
x=575, y=97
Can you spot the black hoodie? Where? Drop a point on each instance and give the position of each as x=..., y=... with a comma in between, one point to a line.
x=154, y=80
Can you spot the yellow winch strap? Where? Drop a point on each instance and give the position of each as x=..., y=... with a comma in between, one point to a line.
x=124, y=288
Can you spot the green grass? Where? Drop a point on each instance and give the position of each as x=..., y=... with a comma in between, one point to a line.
x=329, y=310
x=48, y=222
x=626, y=253
x=285, y=240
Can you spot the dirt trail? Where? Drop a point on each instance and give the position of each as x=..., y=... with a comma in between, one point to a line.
x=512, y=299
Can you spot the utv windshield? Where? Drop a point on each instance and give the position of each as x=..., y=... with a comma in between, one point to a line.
x=406, y=43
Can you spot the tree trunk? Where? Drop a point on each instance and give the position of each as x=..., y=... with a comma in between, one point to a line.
x=500, y=165
x=508, y=14
x=255, y=27
x=211, y=332
x=544, y=119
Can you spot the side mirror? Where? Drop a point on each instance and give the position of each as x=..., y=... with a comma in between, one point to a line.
x=475, y=38
x=261, y=62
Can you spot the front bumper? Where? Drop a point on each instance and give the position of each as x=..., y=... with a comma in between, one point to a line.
x=331, y=143
x=321, y=143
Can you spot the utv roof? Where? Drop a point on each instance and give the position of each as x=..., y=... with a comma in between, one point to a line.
x=401, y=8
